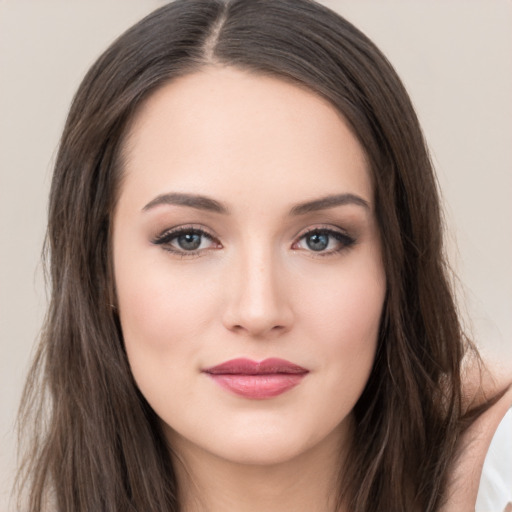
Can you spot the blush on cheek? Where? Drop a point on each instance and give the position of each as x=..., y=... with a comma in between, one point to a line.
x=350, y=306
x=158, y=314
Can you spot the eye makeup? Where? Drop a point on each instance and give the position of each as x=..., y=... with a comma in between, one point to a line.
x=192, y=240
x=187, y=241
x=324, y=241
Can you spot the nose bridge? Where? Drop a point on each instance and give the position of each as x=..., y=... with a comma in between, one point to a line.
x=258, y=303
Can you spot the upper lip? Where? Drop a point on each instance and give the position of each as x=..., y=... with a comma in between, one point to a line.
x=243, y=366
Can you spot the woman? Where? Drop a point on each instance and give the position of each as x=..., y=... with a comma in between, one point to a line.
x=250, y=309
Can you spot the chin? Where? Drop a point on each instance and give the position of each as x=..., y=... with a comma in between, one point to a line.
x=260, y=452
x=260, y=443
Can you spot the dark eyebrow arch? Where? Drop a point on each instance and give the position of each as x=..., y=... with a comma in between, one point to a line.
x=191, y=200
x=206, y=203
x=329, y=202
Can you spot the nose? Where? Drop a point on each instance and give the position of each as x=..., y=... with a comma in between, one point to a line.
x=258, y=301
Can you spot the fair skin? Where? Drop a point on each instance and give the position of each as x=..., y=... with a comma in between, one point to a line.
x=254, y=276
x=479, y=386
x=275, y=276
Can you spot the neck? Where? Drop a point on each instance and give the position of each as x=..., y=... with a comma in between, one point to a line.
x=208, y=483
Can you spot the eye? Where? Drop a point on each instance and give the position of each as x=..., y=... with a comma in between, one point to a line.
x=186, y=241
x=324, y=241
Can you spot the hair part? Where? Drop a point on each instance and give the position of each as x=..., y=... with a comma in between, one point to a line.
x=96, y=443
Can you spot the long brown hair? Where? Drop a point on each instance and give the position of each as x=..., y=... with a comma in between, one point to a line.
x=96, y=444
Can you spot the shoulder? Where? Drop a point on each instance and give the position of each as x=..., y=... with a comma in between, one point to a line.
x=480, y=383
x=495, y=490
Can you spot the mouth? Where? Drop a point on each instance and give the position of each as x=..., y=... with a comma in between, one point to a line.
x=257, y=380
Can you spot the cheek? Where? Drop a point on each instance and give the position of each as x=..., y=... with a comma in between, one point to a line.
x=344, y=317
x=164, y=320
x=346, y=304
x=160, y=308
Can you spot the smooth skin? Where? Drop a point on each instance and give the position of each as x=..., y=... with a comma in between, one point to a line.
x=479, y=386
x=254, y=287
x=245, y=227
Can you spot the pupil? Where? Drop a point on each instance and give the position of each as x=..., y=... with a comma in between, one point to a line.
x=318, y=241
x=189, y=241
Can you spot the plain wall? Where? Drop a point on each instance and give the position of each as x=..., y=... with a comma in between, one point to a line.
x=454, y=57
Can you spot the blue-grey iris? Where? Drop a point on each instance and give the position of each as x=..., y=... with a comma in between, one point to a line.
x=317, y=241
x=189, y=241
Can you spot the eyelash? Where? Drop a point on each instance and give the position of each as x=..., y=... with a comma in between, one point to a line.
x=345, y=241
x=165, y=239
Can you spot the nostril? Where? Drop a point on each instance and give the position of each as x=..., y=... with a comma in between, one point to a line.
x=257, y=330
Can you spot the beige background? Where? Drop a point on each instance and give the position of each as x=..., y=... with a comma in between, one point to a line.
x=454, y=57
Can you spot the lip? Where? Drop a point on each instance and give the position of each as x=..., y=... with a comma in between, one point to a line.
x=257, y=380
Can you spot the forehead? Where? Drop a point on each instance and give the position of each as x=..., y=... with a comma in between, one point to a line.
x=236, y=134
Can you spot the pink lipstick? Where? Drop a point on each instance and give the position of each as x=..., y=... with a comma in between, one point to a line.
x=257, y=380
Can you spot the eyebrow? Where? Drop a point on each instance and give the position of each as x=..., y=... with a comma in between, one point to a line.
x=329, y=202
x=201, y=202
x=191, y=200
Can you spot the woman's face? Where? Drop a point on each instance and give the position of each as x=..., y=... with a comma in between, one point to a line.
x=245, y=230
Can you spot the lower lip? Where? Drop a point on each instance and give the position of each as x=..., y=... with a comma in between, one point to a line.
x=258, y=386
